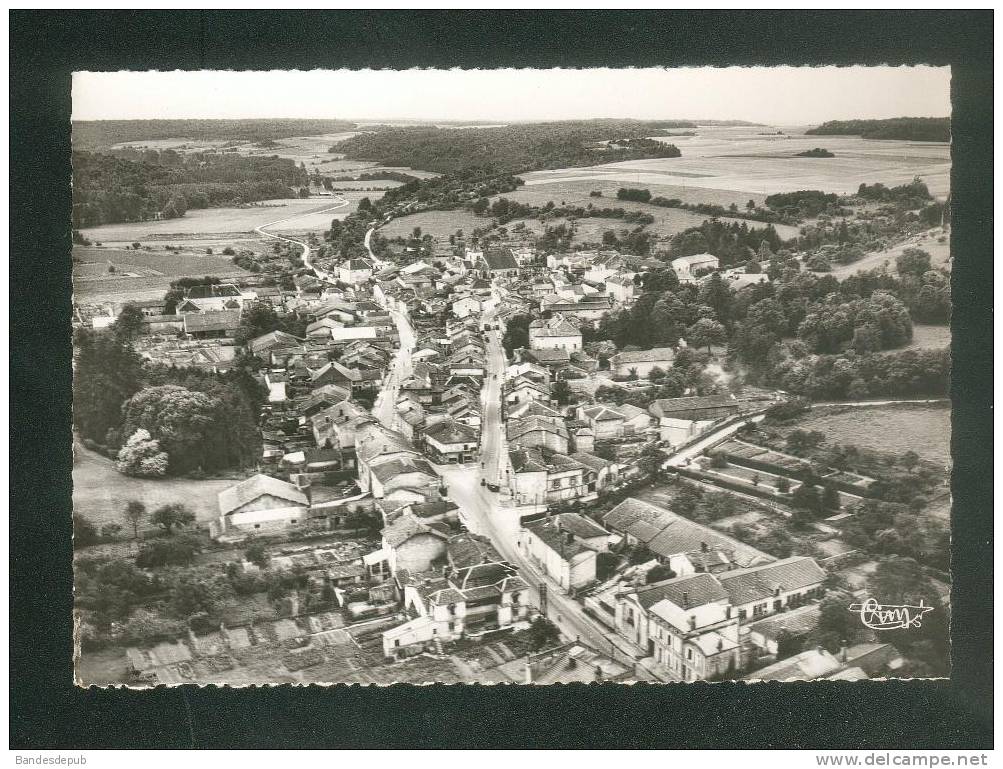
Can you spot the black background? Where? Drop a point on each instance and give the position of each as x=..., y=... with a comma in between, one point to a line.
x=47, y=711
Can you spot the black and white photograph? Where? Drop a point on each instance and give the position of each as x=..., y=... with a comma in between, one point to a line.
x=498, y=376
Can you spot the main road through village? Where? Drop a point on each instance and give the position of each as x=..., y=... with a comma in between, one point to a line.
x=485, y=512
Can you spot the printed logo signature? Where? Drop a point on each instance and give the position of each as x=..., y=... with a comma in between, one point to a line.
x=878, y=617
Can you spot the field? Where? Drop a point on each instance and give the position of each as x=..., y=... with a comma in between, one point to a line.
x=731, y=165
x=217, y=223
x=439, y=224
x=138, y=274
x=668, y=221
x=891, y=429
x=100, y=492
x=926, y=337
x=940, y=254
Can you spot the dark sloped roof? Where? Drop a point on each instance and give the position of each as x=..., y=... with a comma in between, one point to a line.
x=685, y=592
x=497, y=259
x=448, y=431
x=759, y=582
x=255, y=486
x=212, y=321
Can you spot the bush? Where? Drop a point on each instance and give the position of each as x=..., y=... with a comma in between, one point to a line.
x=85, y=533
x=177, y=551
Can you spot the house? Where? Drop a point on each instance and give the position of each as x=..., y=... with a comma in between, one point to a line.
x=413, y=545
x=276, y=381
x=685, y=624
x=685, y=546
x=468, y=305
x=532, y=408
x=212, y=325
x=214, y=298
x=355, y=271
x=606, y=421
x=322, y=328
x=680, y=419
x=444, y=608
x=497, y=263
x=451, y=442
x=258, y=505
x=522, y=389
x=621, y=288
x=263, y=346
x=555, y=333
x=806, y=666
x=539, y=476
x=761, y=590
x=570, y=663
x=641, y=362
x=564, y=546
x=689, y=268
x=538, y=432
x=163, y=324
x=796, y=624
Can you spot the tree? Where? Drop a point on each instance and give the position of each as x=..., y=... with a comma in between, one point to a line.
x=718, y=460
x=909, y=461
x=256, y=554
x=169, y=516
x=830, y=497
x=516, y=333
x=655, y=374
x=129, y=323
x=141, y=457
x=912, y=261
x=706, y=333
x=176, y=551
x=85, y=533
x=561, y=392
x=657, y=573
x=788, y=645
x=133, y=513
x=542, y=633
x=107, y=372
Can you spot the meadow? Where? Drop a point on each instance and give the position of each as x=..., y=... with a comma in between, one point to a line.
x=929, y=241
x=668, y=221
x=440, y=224
x=731, y=165
x=890, y=429
x=100, y=492
x=138, y=274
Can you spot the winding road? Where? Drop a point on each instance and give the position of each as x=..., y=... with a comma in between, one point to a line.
x=306, y=247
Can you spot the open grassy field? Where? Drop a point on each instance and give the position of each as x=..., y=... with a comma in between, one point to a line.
x=929, y=241
x=668, y=221
x=208, y=223
x=892, y=429
x=925, y=337
x=100, y=492
x=724, y=165
x=436, y=223
x=139, y=274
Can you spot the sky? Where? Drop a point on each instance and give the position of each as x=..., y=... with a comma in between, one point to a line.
x=775, y=96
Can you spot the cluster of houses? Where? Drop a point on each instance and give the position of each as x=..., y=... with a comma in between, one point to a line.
x=331, y=461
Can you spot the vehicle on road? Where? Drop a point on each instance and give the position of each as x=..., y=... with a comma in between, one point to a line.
x=492, y=486
x=483, y=482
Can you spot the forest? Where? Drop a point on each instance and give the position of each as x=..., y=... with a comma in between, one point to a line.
x=917, y=129
x=101, y=134
x=166, y=184
x=512, y=148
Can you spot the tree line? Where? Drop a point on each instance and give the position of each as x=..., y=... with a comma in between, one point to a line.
x=919, y=129
x=166, y=184
x=158, y=420
x=512, y=148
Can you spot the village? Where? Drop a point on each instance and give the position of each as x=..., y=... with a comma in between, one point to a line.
x=459, y=486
